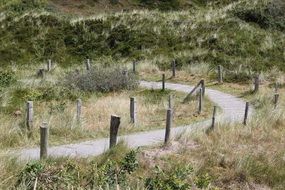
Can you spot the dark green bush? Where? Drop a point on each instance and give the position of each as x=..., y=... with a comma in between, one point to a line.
x=102, y=79
x=270, y=16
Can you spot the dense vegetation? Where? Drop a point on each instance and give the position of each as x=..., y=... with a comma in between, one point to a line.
x=234, y=35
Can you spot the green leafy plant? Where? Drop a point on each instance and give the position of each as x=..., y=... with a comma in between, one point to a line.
x=175, y=179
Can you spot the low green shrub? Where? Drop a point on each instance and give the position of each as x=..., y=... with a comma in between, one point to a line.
x=175, y=179
x=7, y=78
x=60, y=175
x=102, y=79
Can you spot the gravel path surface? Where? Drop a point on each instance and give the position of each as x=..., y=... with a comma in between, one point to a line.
x=232, y=107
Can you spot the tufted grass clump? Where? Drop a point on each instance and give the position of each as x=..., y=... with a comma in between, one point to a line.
x=102, y=79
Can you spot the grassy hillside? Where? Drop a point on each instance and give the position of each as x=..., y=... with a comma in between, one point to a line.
x=234, y=34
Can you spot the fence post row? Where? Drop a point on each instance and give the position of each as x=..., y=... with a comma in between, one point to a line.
x=168, y=126
x=114, y=127
x=173, y=66
x=44, y=140
x=246, y=113
x=163, y=82
x=78, y=109
x=220, y=74
x=133, y=111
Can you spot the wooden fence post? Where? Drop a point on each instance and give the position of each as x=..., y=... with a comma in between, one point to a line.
x=134, y=67
x=78, y=109
x=114, y=127
x=30, y=116
x=220, y=74
x=168, y=126
x=246, y=113
x=214, y=118
x=203, y=87
x=170, y=102
x=44, y=140
x=133, y=111
x=276, y=98
x=200, y=101
x=163, y=82
x=256, y=83
x=49, y=65
x=88, y=65
x=173, y=66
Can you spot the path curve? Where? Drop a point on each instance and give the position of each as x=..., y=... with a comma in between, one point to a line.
x=233, y=111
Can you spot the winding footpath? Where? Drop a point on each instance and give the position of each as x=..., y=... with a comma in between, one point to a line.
x=232, y=107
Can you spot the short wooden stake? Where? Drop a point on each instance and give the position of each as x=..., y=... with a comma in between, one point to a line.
x=30, y=116
x=173, y=65
x=200, y=101
x=88, y=65
x=44, y=140
x=214, y=118
x=256, y=83
x=276, y=98
x=49, y=65
x=246, y=113
x=134, y=67
x=203, y=87
x=133, y=112
x=114, y=127
x=220, y=74
x=163, y=82
x=78, y=109
x=168, y=126
x=170, y=102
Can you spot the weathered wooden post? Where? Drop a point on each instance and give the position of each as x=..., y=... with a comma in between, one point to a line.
x=173, y=66
x=133, y=112
x=214, y=118
x=114, y=127
x=163, y=82
x=246, y=113
x=88, y=65
x=256, y=83
x=170, y=102
x=49, y=65
x=78, y=110
x=134, y=67
x=30, y=116
x=220, y=74
x=203, y=87
x=200, y=101
x=168, y=126
x=276, y=98
x=44, y=140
